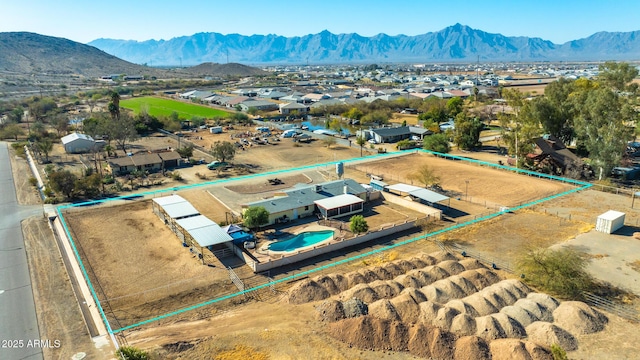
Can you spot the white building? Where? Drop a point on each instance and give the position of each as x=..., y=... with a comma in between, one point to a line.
x=80, y=143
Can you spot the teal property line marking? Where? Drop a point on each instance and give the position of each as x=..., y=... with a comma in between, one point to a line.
x=292, y=277
x=125, y=197
x=356, y=257
x=84, y=272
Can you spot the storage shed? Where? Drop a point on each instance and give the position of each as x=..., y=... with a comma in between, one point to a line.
x=610, y=221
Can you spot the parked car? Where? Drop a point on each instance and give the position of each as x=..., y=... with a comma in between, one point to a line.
x=372, y=141
x=216, y=164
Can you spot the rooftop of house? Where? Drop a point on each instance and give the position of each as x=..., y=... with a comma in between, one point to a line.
x=305, y=194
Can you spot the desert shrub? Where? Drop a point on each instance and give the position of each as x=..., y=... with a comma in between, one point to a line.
x=560, y=272
x=131, y=353
x=358, y=224
x=33, y=181
x=558, y=352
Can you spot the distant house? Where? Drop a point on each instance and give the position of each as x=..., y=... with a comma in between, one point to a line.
x=550, y=152
x=76, y=143
x=394, y=134
x=286, y=109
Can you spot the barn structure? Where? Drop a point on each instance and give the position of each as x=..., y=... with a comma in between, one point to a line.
x=194, y=230
x=76, y=143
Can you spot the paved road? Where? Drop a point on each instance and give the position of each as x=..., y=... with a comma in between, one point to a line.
x=17, y=310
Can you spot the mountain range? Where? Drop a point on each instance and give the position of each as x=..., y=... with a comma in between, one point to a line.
x=454, y=43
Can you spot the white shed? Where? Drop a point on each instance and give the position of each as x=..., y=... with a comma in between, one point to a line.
x=610, y=221
x=75, y=143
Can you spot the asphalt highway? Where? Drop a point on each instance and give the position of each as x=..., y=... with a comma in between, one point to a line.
x=19, y=334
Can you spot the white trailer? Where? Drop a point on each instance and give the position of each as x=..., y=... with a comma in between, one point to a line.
x=215, y=129
x=610, y=221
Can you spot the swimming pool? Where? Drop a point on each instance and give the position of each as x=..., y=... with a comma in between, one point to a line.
x=301, y=240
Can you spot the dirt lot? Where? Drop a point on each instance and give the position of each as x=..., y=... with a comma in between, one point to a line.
x=139, y=266
x=485, y=185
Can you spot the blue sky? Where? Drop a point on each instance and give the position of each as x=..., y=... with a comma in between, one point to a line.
x=83, y=21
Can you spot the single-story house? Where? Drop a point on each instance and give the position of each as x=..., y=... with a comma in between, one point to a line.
x=262, y=105
x=150, y=162
x=394, y=134
x=286, y=109
x=300, y=201
x=76, y=143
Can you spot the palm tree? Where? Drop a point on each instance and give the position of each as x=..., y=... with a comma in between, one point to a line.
x=45, y=146
x=114, y=105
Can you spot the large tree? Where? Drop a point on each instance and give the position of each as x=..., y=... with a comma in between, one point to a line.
x=63, y=182
x=467, y=132
x=122, y=130
x=426, y=176
x=618, y=76
x=603, y=126
x=223, y=151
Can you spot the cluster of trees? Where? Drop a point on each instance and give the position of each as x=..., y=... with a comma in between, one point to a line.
x=599, y=115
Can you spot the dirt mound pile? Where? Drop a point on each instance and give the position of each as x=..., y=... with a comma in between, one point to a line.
x=354, y=278
x=521, y=315
x=463, y=325
x=393, y=269
x=514, y=349
x=361, y=291
x=428, y=312
x=442, y=291
x=441, y=256
x=386, y=289
x=409, y=281
x=326, y=281
x=340, y=282
x=471, y=264
x=307, y=291
x=547, y=334
x=407, y=307
x=421, y=276
x=445, y=317
x=512, y=328
x=436, y=273
x=369, y=275
x=453, y=267
x=477, y=278
x=370, y=333
x=467, y=286
x=408, y=265
x=381, y=273
x=537, y=310
x=489, y=328
x=330, y=310
x=481, y=305
x=427, y=259
x=416, y=294
x=491, y=276
x=472, y=348
x=384, y=309
x=463, y=307
x=547, y=301
x=579, y=318
x=418, y=263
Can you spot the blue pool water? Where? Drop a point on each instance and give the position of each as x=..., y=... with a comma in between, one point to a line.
x=301, y=240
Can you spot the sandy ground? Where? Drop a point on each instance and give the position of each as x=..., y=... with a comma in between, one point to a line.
x=478, y=184
x=27, y=194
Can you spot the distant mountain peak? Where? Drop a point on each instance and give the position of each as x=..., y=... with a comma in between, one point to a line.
x=457, y=42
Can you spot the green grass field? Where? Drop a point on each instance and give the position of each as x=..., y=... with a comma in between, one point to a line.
x=164, y=107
